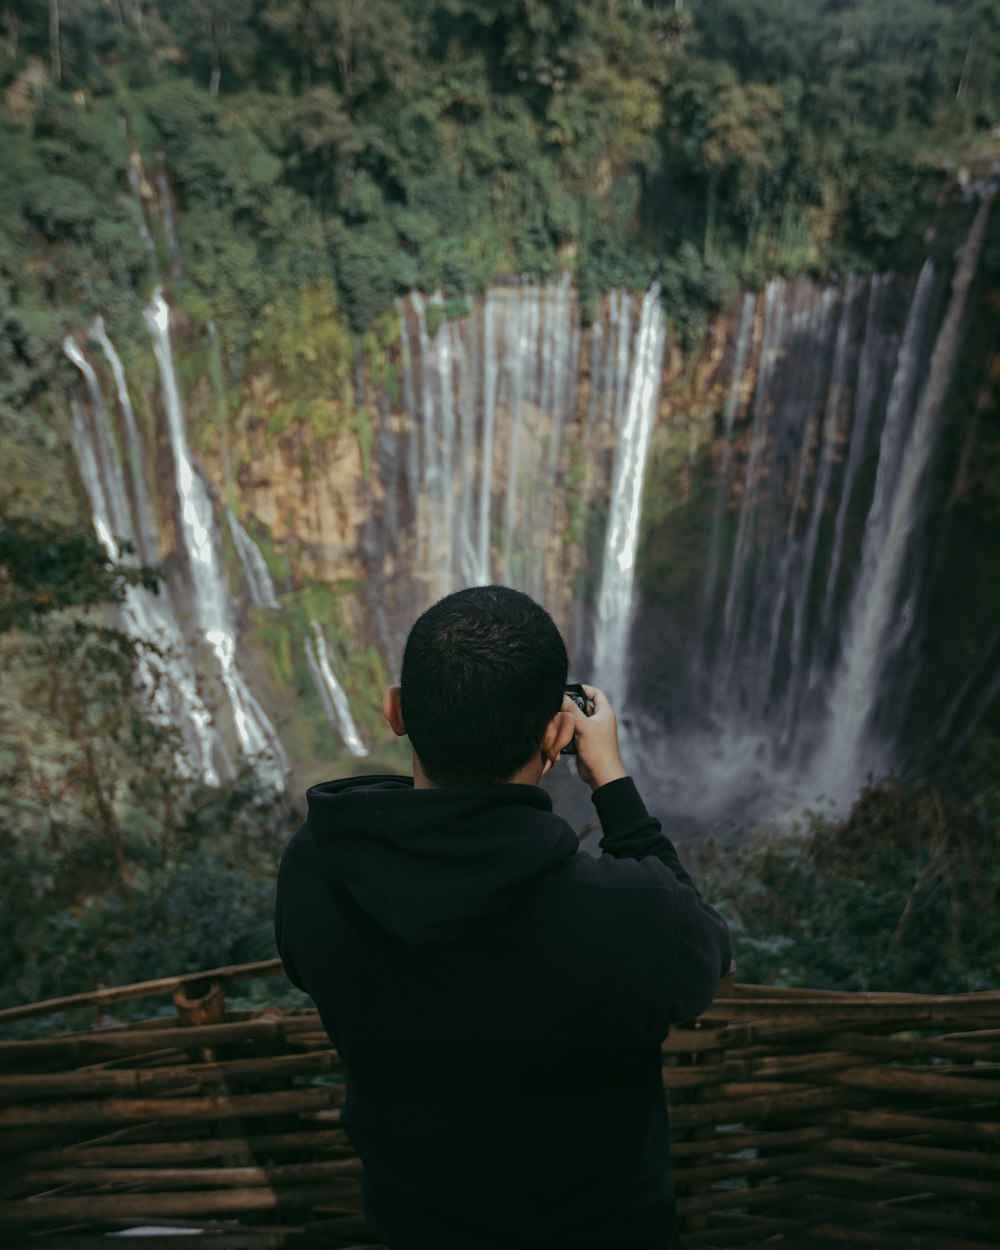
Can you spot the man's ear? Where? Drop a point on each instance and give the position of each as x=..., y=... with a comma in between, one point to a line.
x=392, y=710
x=558, y=733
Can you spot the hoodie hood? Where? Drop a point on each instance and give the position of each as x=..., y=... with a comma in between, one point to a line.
x=425, y=864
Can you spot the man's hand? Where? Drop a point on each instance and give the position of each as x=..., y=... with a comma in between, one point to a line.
x=597, y=757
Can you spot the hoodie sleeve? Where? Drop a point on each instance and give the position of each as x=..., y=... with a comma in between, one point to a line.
x=702, y=950
x=282, y=902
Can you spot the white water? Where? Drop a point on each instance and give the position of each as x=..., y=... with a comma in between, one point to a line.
x=163, y=667
x=145, y=529
x=851, y=749
x=210, y=599
x=258, y=579
x=823, y=493
x=744, y=333
x=614, y=604
x=492, y=430
x=332, y=696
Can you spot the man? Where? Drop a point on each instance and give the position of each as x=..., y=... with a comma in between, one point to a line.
x=497, y=998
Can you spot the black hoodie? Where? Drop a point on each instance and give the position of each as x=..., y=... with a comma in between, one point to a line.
x=499, y=1001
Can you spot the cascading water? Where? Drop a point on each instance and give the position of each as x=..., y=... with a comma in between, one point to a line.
x=812, y=582
x=614, y=603
x=259, y=583
x=732, y=403
x=163, y=666
x=209, y=598
x=332, y=696
x=503, y=462
x=145, y=529
x=872, y=631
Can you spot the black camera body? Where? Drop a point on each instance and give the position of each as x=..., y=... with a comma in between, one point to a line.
x=577, y=693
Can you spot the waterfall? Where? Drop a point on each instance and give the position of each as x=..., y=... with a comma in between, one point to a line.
x=614, y=606
x=490, y=380
x=735, y=602
x=850, y=748
x=507, y=440
x=116, y=515
x=263, y=594
x=255, y=571
x=163, y=666
x=832, y=435
x=816, y=573
x=145, y=529
x=210, y=600
x=732, y=404
x=334, y=700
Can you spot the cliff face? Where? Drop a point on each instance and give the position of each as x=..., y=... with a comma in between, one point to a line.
x=507, y=445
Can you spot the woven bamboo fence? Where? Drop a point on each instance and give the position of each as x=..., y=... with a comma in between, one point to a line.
x=799, y=1119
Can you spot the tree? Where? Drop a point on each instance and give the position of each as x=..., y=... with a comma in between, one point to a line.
x=366, y=43
x=219, y=32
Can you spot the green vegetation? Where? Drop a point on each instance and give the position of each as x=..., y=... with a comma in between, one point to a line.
x=380, y=146
x=903, y=894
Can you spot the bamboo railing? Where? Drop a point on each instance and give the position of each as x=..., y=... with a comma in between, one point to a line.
x=799, y=1119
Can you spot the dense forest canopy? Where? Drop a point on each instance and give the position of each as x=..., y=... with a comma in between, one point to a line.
x=391, y=144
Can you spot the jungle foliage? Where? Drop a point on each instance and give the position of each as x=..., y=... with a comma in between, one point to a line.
x=903, y=894
x=390, y=144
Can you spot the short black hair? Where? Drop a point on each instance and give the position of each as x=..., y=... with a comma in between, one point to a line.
x=483, y=674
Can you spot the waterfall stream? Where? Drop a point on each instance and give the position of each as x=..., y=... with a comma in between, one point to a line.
x=258, y=580
x=334, y=700
x=209, y=595
x=510, y=441
x=872, y=631
x=164, y=668
x=614, y=602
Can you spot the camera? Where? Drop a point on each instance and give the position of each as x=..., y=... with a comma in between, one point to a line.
x=577, y=693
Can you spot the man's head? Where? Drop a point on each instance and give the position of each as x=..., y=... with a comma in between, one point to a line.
x=481, y=687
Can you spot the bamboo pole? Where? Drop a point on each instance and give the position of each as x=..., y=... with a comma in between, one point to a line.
x=90, y=1208
x=779, y=1193
x=932, y=1156
x=721, y=1143
x=756, y=1168
x=139, y=989
x=855, y=1236
x=121, y=1041
x=314, y=1141
x=915, y=1047
x=757, y=1108
x=903, y=1181
x=146, y=1080
x=898, y=1080
x=907, y=1122
x=918, y=1217
x=130, y=1110
x=151, y=1178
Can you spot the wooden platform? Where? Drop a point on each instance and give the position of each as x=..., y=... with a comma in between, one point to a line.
x=799, y=1119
